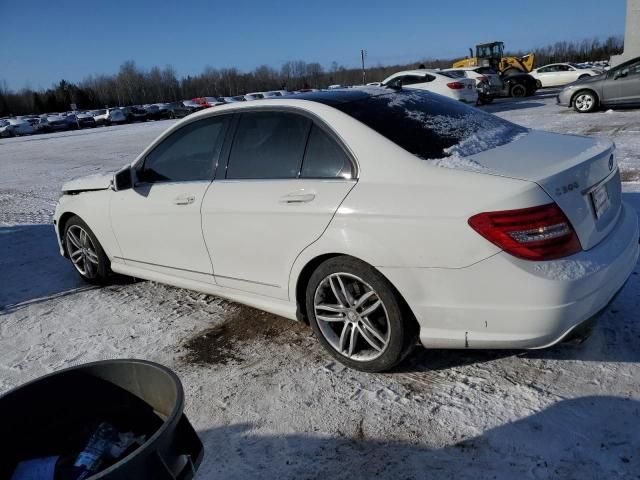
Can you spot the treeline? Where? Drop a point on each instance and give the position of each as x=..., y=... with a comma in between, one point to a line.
x=133, y=85
x=589, y=49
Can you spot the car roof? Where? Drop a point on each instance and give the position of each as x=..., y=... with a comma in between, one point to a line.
x=420, y=71
x=340, y=95
x=470, y=69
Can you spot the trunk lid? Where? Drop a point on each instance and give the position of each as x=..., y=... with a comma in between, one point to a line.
x=579, y=173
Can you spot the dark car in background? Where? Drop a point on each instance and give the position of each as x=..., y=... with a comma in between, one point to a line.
x=134, y=114
x=174, y=110
x=153, y=112
x=619, y=87
x=518, y=84
x=192, y=106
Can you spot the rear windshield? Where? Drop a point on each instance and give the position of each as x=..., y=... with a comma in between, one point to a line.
x=431, y=126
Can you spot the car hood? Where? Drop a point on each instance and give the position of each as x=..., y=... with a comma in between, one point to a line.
x=100, y=181
x=590, y=79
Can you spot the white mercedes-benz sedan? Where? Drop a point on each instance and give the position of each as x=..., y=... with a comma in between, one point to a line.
x=383, y=217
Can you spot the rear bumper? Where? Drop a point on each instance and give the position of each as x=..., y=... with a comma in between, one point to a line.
x=504, y=302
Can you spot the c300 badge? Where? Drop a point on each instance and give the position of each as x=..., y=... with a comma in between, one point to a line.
x=567, y=188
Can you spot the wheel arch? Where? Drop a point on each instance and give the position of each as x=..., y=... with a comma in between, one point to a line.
x=305, y=275
x=62, y=223
x=590, y=90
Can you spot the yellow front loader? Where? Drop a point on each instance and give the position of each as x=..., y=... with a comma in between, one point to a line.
x=492, y=55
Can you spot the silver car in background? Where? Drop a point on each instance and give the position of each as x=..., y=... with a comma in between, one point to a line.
x=619, y=87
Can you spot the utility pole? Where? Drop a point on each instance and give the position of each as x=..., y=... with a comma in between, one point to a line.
x=363, y=53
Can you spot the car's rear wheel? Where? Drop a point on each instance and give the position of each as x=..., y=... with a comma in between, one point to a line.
x=518, y=91
x=586, y=75
x=538, y=84
x=358, y=316
x=585, y=102
x=85, y=252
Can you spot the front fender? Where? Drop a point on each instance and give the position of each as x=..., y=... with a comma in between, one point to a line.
x=93, y=207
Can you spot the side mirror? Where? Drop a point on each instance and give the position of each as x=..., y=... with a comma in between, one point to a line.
x=123, y=179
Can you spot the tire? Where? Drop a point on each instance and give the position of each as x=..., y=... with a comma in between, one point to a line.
x=585, y=101
x=373, y=342
x=518, y=91
x=85, y=252
x=586, y=75
x=538, y=84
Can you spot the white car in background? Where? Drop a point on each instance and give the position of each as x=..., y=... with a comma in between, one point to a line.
x=463, y=89
x=21, y=126
x=108, y=116
x=557, y=74
x=254, y=96
x=381, y=216
x=480, y=74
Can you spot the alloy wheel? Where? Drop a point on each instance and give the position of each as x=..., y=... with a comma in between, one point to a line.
x=352, y=317
x=584, y=102
x=82, y=251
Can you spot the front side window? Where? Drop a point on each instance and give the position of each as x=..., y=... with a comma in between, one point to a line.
x=268, y=145
x=188, y=154
x=324, y=158
x=631, y=69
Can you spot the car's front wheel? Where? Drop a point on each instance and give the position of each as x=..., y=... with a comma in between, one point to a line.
x=358, y=316
x=85, y=252
x=585, y=102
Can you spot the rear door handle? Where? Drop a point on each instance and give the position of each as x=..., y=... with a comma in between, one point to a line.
x=297, y=197
x=184, y=200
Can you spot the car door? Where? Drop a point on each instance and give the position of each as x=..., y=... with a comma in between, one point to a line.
x=622, y=86
x=157, y=222
x=544, y=75
x=566, y=74
x=285, y=178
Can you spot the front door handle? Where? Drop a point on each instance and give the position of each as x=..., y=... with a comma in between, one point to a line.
x=297, y=197
x=184, y=200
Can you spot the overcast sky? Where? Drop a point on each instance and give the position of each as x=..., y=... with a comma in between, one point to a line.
x=42, y=41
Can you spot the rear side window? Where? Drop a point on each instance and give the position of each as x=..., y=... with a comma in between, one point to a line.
x=324, y=158
x=188, y=154
x=268, y=145
x=430, y=126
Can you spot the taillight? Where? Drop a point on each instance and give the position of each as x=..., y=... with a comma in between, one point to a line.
x=538, y=233
x=455, y=85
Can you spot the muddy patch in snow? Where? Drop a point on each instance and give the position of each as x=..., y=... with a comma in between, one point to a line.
x=225, y=343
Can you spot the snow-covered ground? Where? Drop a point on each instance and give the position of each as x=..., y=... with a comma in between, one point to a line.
x=265, y=398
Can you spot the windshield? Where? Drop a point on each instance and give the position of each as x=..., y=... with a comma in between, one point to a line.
x=430, y=126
